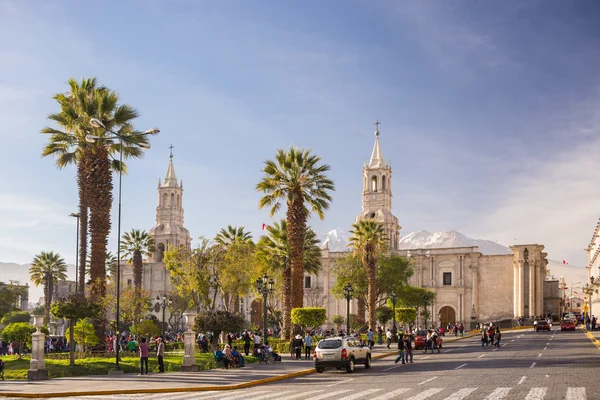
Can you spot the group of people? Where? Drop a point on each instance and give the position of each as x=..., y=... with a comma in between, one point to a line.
x=490, y=335
x=298, y=343
x=230, y=357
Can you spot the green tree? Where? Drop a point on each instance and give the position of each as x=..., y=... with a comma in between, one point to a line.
x=273, y=251
x=233, y=234
x=15, y=316
x=110, y=265
x=383, y=314
x=406, y=316
x=84, y=334
x=134, y=304
x=219, y=321
x=19, y=332
x=47, y=268
x=369, y=241
x=134, y=246
x=418, y=298
x=338, y=320
x=309, y=318
x=10, y=295
x=234, y=272
x=146, y=328
x=296, y=177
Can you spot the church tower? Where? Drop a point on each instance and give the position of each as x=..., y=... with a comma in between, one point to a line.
x=377, y=193
x=169, y=230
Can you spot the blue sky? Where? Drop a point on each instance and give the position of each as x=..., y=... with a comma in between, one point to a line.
x=489, y=110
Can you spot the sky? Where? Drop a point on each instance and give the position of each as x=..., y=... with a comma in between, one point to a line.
x=489, y=111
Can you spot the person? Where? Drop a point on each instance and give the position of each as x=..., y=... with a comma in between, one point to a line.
x=428, y=342
x=246, y=338
x=380, y=335
x=401, y=347
x=307, y=345
x=434, y=338
x=1, y=369
x=298, y=347
x=239, y=358
x=131, y=344
x=229, y=355
x=370, y=337
x=219, y=356
x=229, y=339
x=498, y=337
x=534, y=324
x=484, y=338
x=461, y=329
x=256, y=340
x=144, y=351
x=160, y=354
x=491, y=333
x=388, y=337
x=408, y=347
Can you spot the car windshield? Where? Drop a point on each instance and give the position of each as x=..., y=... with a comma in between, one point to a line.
x=330, y=344
x=542, y=322
x=421, y=333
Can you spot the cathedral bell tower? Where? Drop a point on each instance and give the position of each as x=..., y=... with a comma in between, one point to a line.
x=169, y=230
x=377, y=193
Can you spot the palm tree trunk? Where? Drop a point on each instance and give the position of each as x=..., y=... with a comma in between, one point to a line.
x=372, y=295
x=361, y=306
x=47, y=296
x=286, y=318
x=138, y=272
x=296, y=223
x=83, y=220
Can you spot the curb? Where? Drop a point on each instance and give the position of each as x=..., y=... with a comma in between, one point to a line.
x=592, y=338
x=185, y=389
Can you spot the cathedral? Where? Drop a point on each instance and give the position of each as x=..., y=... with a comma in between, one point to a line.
x=470, y=287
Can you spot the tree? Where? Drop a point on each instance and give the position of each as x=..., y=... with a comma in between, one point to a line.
x=146, y=328
x=134, y=304
x=87, y=100
x=110, y=265
x=233, y=234
x=10, y=295
x=47, y=268
x=309, y=318
x=273, y=251
x=296, y=177
x=219, y=321
x=338, y=320
x=18, y=332
x=406, y=316
x=383, y=314
x=135, y=245
x=15, y=316
x=234, y=272
x=368, y=240
x=84, y=334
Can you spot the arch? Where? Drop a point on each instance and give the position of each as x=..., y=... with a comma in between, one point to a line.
x=447, y=315
x=383, y=183
x=160, y=252
x=374, y=184
x=164, y=202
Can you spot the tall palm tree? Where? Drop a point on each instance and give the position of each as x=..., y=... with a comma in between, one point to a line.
x=47, y=268
x=110, y=265
x=296, y=177
x=274, y=248
x=135, y=245
x=368, y=240
x=87, y=100
x=233, y=234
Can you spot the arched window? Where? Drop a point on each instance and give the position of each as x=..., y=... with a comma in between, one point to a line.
x=172, y=200
x=164, y=202
x=383, y=182
x=160, y=252
x=178, y=201
x=374, y=184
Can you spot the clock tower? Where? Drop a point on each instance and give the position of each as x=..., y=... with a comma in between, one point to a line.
x=377, y=193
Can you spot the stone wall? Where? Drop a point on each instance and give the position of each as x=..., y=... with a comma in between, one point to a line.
x=495, y=288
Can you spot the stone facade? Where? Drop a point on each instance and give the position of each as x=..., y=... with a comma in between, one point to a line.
x=593, y=251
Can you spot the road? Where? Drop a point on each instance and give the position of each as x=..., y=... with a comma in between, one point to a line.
x=528, y=365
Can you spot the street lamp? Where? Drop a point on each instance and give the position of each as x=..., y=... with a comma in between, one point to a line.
x=163, y=305
x=96, y=123
x=76, y=215
x=348, y=292
x=265, y=286
x=394, y=298
x=425, y=310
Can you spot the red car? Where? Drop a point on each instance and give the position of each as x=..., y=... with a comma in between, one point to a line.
x=567, y=325
x=421, y=338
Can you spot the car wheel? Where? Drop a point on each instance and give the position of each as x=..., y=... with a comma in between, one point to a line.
x=320, y=369
x=350, y=367
x=368, y=363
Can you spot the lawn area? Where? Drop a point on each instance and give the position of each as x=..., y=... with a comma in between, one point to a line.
x=17, y=369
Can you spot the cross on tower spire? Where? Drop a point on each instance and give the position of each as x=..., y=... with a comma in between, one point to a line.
x=171, y=151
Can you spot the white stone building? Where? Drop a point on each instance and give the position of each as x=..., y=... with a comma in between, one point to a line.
x=593, y=251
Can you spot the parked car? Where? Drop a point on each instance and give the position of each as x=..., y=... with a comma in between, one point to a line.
x=567, y=325
x=341, y=352
x=421, y=340
x=542, y=325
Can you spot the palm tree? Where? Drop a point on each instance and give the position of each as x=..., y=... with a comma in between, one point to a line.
x=87, y=100
x=47, y=268
x=135, y=245
x=369, y=241
x=296, y=177
x=233, y=234
x=110, y=265
x=274, y=249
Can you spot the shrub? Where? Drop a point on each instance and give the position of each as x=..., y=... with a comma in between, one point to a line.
x=18, y=332
x=16, y=316
x=147, y=328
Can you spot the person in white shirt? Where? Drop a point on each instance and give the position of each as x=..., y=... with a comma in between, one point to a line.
x=388, y=336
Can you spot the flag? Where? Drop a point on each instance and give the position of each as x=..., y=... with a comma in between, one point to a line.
x=264, y=226
x=564, y=262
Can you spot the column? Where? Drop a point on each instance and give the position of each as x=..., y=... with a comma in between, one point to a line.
x=516, y=290
x=539, y=282
x=532, y=289
x=37, y=366
x=475, y=291
x=189, y=358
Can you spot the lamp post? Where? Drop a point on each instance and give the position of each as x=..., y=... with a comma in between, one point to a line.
x=425, y=311
x=96, y=123
x=76, y=215
x=348, y=293
x=162, y=302
x=265, y=286
x=394, y=298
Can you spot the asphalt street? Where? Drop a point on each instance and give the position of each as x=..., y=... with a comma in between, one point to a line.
x=528, y=365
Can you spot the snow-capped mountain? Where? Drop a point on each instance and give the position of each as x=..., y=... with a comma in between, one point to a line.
x=424, y=239
x=336, y=240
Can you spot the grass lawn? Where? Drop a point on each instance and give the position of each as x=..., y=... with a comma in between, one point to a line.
x=17, y=369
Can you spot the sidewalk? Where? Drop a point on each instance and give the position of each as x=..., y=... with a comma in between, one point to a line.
x=214, y=379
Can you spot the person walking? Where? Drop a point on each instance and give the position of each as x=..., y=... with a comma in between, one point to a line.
x=498, y=337
x=246, y=338
x=380, y=335
x=484, y=338
x=160, y=354
x=408, y=347
x=370, y=337
x=144, y=351
x=461, y=329
x=400, y=350
x=307, y=345
x=388, y=338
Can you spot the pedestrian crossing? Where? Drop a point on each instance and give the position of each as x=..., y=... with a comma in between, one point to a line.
x=419, y=393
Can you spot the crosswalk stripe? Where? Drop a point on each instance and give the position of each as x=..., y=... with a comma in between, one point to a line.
x=364, y=393
x=267, y=396
x=240, y=395
x=498, y=394
x=331, y=395
x=577, y=393
x=461, y=394
x=193, y=395
x=536, y=393
x=302, y=394
x=391, y=395
x=426, y=394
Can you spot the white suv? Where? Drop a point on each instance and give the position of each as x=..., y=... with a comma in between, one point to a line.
x=341, y=352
